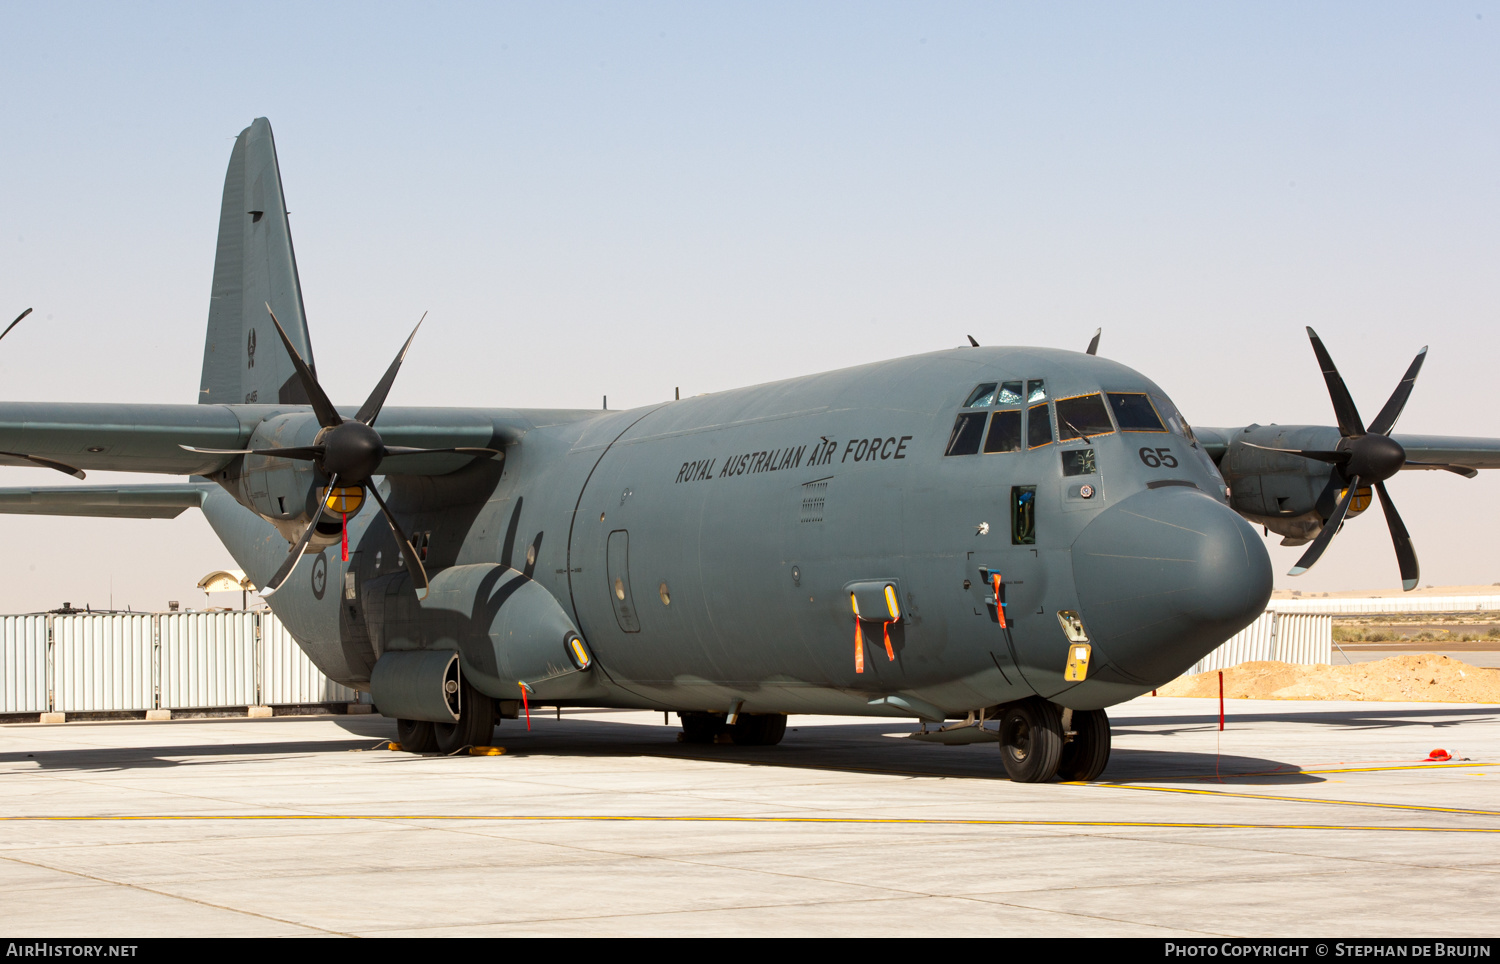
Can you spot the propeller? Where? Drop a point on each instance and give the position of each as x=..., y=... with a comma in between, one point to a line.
x=349, y=452
x=63, y=467
x=1364, y=457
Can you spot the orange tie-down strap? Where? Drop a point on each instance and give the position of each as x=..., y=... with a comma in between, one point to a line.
x=859, y=644
x=999, y=606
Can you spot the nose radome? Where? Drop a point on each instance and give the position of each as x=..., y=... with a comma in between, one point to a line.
x=1163, y=578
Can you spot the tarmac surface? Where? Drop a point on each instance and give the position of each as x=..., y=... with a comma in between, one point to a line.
x=1298, y=820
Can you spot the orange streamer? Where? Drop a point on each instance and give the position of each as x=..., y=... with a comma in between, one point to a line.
x=999, y=607
x=859, y=649
x=889, y=653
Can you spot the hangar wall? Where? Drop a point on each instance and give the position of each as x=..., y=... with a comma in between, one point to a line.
x=125, y=662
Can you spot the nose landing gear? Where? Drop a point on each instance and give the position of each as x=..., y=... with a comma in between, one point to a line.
x=1036, y=744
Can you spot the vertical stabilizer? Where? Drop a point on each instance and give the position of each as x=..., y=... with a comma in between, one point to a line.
x=243, y=360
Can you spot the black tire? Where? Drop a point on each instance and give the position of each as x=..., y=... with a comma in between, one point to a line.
x=475, y=726
x=416, y=736
x=1031, y=740
x=1085, y=756
x=758, y=729
x=701, y=727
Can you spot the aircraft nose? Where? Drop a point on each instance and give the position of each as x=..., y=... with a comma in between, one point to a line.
x=1163, y=578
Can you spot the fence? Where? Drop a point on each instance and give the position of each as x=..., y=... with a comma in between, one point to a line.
x=123, y=662
x=1289, y=637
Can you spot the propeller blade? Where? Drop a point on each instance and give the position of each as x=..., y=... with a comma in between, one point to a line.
x=1330, y=527
x=1318, y=455
x=46, y=463
x=413, y=565
x=972, y=342
x=1462, y=470
x=295, y=555
x=371, y=408
x=1406, y=555
x=1343, y=405
x=327, y=415
x=1386, y=420
x=1094, y=342
x=394, y=450
x=308, y=453
x=14, y=323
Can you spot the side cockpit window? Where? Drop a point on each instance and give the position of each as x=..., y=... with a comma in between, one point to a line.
x=967, y=431
x=1082, y=416
x=1134, y=412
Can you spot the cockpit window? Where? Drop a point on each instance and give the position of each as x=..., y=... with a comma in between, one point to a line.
x=1036, y=391
x=1134, y=412
x=981, y=397
x=1005, y=432
x=1082, y=416
x=1175, y=422
x=1079, y=462
x=1038, y=426
x=967, y=431
x=1010, y=394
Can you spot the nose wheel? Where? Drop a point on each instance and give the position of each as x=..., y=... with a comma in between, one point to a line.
x=1085, y=755
x=1031, y=740
x=1036, y=746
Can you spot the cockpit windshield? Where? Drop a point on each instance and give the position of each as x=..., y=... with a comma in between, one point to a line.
x=1134, y=413
x=1082, y=416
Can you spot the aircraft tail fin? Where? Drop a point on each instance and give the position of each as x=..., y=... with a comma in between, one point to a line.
x=243, y=359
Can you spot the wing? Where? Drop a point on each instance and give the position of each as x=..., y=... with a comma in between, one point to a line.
x=150, y=438
x=109, y=501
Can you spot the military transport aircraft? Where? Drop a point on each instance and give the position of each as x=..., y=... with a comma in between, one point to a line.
x=1014, y=535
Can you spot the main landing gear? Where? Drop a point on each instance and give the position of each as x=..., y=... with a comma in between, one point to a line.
x=475, y=727
x=1040, y=740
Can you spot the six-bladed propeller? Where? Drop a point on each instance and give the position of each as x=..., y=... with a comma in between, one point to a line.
x=1364, y=457
x=348, y=452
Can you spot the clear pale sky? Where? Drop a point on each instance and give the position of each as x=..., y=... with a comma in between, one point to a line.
x=621, y=198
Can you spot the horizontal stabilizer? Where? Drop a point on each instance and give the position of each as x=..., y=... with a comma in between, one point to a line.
x=166, y=501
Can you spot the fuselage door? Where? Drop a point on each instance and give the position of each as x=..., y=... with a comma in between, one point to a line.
x=618, y=572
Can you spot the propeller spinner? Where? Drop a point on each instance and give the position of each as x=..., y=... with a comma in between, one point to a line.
x=1364, y=457
x=348, y=452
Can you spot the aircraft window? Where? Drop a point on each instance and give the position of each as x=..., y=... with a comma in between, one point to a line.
x=1079, y=462
x=1005, y=432
x=1134, y=412
x=981, y=397
x=1038, y=426
x=1174, y=418
x=967, y=431
x=1010, y=394
x=1036, y=390
x=1082, y=415
x=1023, y=515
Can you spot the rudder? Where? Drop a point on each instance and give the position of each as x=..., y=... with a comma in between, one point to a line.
x=243, y=361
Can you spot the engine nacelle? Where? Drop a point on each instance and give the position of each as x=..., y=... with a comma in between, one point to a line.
x=1285, y=493
x=284, y=492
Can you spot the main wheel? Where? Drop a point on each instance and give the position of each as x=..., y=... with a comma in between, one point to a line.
x=698, y=727
x=416, y=736
x=475, y=726
x=1084, y=756
x=1031, y=740
x=758, y=729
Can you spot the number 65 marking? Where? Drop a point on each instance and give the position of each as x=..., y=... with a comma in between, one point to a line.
x=1158, y=457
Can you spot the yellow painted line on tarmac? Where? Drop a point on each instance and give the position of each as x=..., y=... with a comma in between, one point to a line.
x=816, y=821
x=1281, y=798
